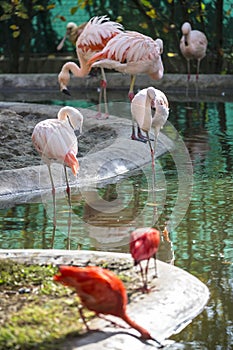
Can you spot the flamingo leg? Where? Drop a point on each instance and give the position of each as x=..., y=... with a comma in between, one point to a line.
x=198, y=68
x=67, y=186
x=103, y=93
x=98, y=115
x=156, y=131
x=197, y=75
x=131, y=87
x=151, y=148
x=69, y=202
x=104, y=87
x=133, y=136
x=69, y=230
x=188, y=69
x=53, y=194
x=152, y=151
x=140, y=136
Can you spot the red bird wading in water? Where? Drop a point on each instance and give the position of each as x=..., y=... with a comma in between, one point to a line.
x=144, y=244
x=101, y=291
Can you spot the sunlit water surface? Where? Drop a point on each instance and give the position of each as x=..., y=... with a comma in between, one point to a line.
x=203, y=240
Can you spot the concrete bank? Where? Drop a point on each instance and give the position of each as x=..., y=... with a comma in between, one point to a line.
x=213, y=83
x=177, y=298
x=110, y=158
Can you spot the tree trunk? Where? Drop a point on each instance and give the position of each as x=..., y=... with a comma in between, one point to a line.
x=219, y=36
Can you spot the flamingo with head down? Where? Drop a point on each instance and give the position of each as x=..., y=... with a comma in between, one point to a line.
x=143, y=103
x=55, y=141
x=94, y=37
x=193, y=45
x=132, y=53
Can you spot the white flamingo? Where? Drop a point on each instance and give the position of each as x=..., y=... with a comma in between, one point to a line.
x=141, y=109
x=132, y=53
x=55, y=141
x=193, y=45
x=94, y=37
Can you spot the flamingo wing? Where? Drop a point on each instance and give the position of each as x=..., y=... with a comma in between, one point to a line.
x=98, y=31
x=128, y=46
x=54, y=139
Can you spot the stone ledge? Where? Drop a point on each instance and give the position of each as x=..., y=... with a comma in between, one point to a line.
x=115, y=81
x=178, y=297
x=121, y=157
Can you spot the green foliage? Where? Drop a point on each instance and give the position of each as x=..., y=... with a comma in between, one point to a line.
x=33, y=308
x=36, y=312
x=25, y=28
x=164, y=19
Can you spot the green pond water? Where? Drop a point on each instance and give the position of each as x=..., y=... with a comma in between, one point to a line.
x=202, y=237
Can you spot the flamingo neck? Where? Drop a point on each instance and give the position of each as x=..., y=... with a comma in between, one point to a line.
x=147, y=115
x=145, y=334
x=186, y=39
x=76, y=70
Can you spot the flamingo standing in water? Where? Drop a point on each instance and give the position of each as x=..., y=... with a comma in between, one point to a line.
x=94, y=37
x=101, y=291
x=141, y=109
x=55, y=141
x=72, y=33
x=193, y=45
x=132, y=53
x=144, y=244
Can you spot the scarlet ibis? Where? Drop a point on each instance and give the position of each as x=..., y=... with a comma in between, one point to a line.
x=101, y=291
x=144, y=244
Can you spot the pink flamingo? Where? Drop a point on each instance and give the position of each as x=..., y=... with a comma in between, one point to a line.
x=142, y=105
x=94, y=37
x=141, y=109
x=55, y=141
x=193, y=45
x=132, y=53
x=144, y=244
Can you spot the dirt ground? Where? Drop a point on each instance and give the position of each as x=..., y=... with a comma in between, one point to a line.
x=17, y=150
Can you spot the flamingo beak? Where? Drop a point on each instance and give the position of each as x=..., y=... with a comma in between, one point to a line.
x=60, y=46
